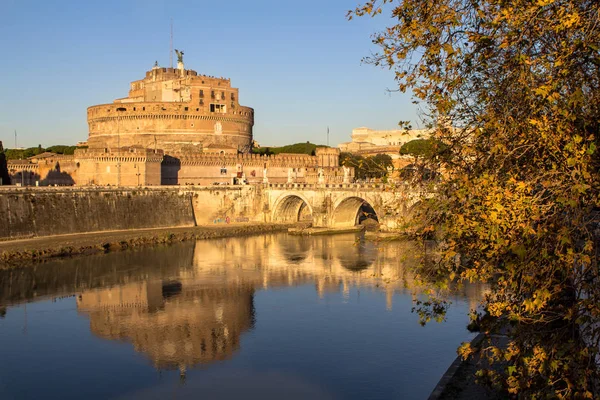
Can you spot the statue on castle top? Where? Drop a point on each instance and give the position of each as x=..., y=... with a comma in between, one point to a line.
x=179, y=56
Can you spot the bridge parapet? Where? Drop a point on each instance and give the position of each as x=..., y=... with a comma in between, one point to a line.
x=334, y=186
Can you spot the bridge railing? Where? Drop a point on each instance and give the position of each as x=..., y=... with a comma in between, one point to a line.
x=346, y=186
x=282, y=186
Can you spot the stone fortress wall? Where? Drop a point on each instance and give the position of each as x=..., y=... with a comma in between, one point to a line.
x=136, y=166
x=169, y=126
x=47, y=212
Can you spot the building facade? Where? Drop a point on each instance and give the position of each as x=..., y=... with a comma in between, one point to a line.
x=370, y=141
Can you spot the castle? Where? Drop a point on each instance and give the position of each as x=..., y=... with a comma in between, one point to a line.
x=175, y=127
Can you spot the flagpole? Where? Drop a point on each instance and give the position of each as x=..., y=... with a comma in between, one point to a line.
x=327, y=136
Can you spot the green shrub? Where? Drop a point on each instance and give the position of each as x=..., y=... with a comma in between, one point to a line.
x=423, y=148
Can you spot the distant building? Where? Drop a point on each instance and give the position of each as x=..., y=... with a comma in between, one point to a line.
x=371, y=142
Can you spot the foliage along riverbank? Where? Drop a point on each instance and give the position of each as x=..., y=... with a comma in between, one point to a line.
x=21, y=252
x=512, y=92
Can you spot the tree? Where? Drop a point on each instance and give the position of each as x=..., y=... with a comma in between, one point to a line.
x=297, y=148
x=4, y=177
x=355, y=161
x=62, y=149
x=370, y=167
x=20, y=154
x=423, y=148
x=379, y=165
x=513, y=89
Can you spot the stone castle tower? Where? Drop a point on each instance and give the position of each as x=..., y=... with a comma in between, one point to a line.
x=176, y=110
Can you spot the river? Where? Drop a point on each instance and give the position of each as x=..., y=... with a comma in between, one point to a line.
x=265, y=317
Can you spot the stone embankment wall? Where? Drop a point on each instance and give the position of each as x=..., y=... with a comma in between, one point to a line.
x=44, y=212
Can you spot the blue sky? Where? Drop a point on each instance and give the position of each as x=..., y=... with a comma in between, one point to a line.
x=298, y=64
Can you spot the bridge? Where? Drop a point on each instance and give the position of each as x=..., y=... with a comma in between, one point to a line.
x=341, y=205
x=42, y=211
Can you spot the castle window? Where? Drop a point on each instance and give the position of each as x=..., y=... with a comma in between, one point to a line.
x=201, y=93
x=232, y=97
x=201, y=103
x=133, y=108
x=197, y=109
x=218, y=108
x=121, y=109
x=212, y=94
x=185, y=108
x=143, y=108
x=222, y=95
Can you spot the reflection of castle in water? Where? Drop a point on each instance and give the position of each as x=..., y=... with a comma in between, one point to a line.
x=174, y=325
x=199, y=315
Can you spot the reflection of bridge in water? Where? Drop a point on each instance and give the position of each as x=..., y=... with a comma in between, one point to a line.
x=198, y=314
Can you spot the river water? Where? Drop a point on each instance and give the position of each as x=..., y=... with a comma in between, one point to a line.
x=262, y=317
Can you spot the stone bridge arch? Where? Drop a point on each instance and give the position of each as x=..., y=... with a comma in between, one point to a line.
x=345, y=211
x=292, y=207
